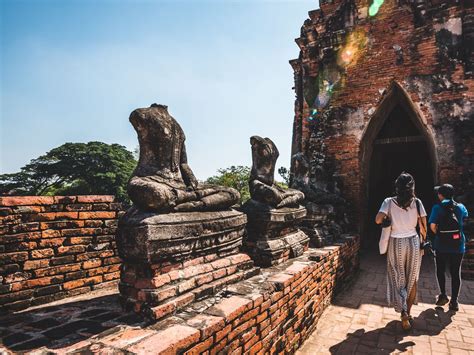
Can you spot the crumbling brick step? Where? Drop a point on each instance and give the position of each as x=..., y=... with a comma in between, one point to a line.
x=272, y=312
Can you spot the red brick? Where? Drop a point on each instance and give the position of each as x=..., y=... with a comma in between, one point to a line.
x=54, y=216
x=20, y=246
x=297, y=268
x=113, y=260
x=245, y=317
x=44, y=281
x=281, y=280
x=265, y=305
x=82, y=282
x=172, y=340
x=239, y=258
x=16, y=277
x=89, y=264
x=62, y=224
x=261, y=317
x=97, y=215
x=51, y=242
x=64, y=199
x=221, y=334
x=201, y=347
x=203, y=279
x=186, y=285
x=74, y=249
x=62, y=269
x=95, y=198
x=9, y=258
x=50, y=233
x=16, y=238
x=219, y=273
x=221, y=263
x=196, y=270
x=207, y=324
x=25, y=227
x=93, y=223
x=193, y=262
x=217, y=348
x=112, y=276
x=78, y=207
x=183, y=300
x=126, y=337
x=26, y=200
x=42, y=253
x=162, y=310
x=35, y=264
x=255, y=348
x=230, y=308
x=78, y=241
x=155, y=282
x=74, y=232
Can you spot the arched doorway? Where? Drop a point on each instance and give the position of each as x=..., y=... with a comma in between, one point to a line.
x=395, y=140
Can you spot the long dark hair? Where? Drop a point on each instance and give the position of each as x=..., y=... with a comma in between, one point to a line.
x=405, y=189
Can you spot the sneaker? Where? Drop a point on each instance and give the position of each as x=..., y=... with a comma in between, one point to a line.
x=453, y=306
x=442, y=300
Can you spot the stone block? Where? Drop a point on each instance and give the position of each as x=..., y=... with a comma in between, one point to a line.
x=272, y=234
x=146, y=237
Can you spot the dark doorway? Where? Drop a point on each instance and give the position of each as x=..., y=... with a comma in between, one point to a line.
x=398, y=146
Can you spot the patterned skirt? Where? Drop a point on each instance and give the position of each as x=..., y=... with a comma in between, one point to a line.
x=403, y=270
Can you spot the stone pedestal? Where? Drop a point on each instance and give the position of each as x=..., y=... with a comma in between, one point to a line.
x=169, y=260
x=319, y=224
x=272, y=234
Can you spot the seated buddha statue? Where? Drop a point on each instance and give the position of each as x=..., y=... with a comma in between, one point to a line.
x=163, y=181
x=262, y=185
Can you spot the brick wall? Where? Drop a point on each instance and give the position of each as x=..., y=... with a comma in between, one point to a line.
x=433, y=65
x=270, y=313
x=55, y=247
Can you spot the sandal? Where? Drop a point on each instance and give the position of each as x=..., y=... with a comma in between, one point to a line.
x=406, y=325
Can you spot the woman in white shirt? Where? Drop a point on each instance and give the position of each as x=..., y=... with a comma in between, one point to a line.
x=403, y=212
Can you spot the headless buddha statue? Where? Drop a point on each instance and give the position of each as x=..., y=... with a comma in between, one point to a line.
x=262, y=186
x=163, y=180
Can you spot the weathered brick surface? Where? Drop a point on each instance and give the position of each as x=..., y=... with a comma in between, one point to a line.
x=158, y=290
x=55, y=246
x=270, y=313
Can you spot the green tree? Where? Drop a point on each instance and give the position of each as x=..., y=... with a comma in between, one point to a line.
x=74, y=169
x=285, y=174
x=236, y=177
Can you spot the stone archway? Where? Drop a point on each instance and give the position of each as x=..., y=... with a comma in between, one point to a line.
x=396, y=139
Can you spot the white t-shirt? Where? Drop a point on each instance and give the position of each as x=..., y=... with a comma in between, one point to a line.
x=404, y=221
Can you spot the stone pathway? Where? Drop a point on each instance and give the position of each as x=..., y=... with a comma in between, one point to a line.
x=64, y=325
x=359, y=322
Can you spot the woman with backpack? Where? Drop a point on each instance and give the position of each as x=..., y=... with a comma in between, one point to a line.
x=446, y=222
x=403, y=213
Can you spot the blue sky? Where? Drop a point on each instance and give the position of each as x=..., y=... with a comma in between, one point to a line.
x=72, y=71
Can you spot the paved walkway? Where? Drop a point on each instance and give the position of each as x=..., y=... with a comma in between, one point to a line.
x=359, y=322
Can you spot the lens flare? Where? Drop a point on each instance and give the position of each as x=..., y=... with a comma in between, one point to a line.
x=353, y=48
x=331, y=75
x=374, y=7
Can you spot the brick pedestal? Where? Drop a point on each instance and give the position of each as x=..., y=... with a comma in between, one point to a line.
x=319, y=224
x=272, y=234
x=156, y=290
x=172, y=259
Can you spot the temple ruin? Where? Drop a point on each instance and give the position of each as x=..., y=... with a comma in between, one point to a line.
x=382, y=87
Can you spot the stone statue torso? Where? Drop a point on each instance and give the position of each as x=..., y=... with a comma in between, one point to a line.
x=161, y=143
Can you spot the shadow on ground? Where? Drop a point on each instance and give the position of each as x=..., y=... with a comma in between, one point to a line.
x=63, y=325
x=373, y=277
x=391, y=337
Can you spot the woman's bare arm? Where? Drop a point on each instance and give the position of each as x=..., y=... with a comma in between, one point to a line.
x=380, y=217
